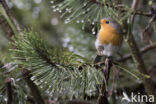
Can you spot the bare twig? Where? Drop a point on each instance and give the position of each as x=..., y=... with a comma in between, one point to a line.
x=146, y=14
x=9, y=91
x=145, y=32
x=13, y=20
x=6, y=27
x=142, y=51
x=30, y=100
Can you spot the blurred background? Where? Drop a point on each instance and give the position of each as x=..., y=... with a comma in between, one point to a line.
x=41, y=16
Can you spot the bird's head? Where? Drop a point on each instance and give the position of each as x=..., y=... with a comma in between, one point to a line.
x=110, y=24
x=106, y=22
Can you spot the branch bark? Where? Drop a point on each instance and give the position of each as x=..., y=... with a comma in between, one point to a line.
x=9, y=91
x=142, y=51
x=13, y=20
x=102, y=99
x=33, y=88
x=6, y=27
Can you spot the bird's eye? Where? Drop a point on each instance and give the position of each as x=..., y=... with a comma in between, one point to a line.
x=107, y=22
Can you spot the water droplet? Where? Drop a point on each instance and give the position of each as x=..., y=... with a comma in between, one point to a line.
x=41, y=86
x=77, y=21
x=88, y=20
x=57, y=9
x=53, y=7
x=93, y=32
x=52, y=2
x=68, y=19
x=82, y=21
x=60, y=5
x=69, y=11
x=54, y=10
x=66, y=22
x=84, y=4
x=33, y=78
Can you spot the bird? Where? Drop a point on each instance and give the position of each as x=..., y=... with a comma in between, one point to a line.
x=109, y=38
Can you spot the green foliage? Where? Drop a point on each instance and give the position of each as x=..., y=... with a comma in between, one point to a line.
x=19, y=89
x=90, y=11
x=53, y=69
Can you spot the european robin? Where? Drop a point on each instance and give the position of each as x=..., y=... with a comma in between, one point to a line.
x=109, y=38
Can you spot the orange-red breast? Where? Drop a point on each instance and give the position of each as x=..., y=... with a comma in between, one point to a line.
x=109, y=38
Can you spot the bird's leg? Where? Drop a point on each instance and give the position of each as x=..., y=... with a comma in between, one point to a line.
x=108, y=65
x=97, y=58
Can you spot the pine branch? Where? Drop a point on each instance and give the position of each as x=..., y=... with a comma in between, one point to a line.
x=137, y=12
x=35, y=91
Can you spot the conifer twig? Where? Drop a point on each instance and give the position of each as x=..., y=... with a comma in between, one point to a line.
x=137, y=12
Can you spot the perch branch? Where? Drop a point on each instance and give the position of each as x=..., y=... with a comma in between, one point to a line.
x=102, y=99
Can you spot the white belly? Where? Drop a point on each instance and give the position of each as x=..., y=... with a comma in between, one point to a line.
x=108, y=50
